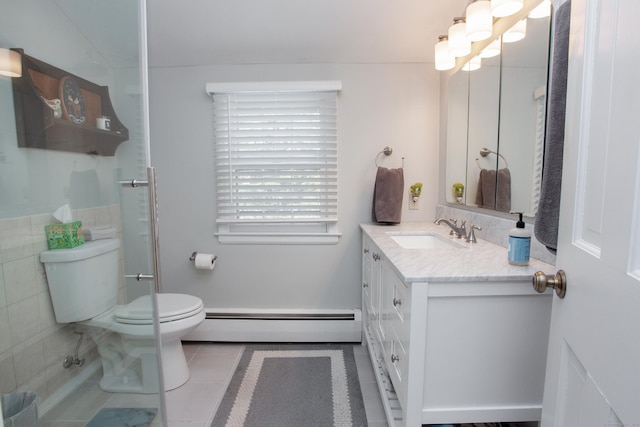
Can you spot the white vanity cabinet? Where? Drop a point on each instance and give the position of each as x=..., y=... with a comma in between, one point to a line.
x=371, y=286
x=395, y=313
x=385, y=304
x=453, y=351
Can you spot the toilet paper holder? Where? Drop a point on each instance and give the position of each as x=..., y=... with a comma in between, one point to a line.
x=193, y=257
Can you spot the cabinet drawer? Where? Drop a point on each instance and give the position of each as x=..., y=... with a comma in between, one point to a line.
x=401, y=312
x=397, y=363
x=369, y=301
x=366, y=283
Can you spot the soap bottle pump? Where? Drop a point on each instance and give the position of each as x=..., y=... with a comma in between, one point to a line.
x=519, y=243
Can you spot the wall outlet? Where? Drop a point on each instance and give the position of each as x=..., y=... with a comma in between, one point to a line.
x=413, y=205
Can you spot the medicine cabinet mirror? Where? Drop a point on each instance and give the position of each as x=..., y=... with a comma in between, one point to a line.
x=495, y=126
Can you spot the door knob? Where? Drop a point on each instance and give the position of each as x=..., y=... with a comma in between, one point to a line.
x=558, y=282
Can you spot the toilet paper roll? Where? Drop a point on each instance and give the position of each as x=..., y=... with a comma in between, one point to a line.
x=205, y=261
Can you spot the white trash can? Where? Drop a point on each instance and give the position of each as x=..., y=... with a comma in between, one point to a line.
x=20, y=409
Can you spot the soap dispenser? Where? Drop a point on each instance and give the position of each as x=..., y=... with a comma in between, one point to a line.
x=519, y=243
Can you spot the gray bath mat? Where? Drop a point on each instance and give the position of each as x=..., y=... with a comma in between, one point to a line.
x=123, y=417
x=293, y=385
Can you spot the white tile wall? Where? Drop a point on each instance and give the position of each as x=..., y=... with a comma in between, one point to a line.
x=16, y=240
x=24, y=320
x=32, y=344
x=5, y=332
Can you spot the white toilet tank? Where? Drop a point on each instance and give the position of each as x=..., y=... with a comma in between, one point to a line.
x=83, y=281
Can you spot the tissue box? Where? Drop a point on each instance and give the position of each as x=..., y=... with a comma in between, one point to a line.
x=64, y=236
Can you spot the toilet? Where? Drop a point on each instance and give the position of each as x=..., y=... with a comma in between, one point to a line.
x=83, y=283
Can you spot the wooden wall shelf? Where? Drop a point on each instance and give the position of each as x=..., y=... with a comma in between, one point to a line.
x=38, y=126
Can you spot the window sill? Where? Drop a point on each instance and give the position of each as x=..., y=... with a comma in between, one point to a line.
x=279, y=238
x=278, y=232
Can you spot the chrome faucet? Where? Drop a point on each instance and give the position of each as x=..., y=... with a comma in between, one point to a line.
x=459, y=232
x=471, y=237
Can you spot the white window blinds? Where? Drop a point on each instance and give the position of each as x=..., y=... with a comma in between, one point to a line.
x=276, y=166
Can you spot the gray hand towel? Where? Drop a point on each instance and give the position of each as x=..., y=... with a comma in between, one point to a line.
x=494, y=190
x=503, y=192
x=387, y=196
x=486, y=195
x=547, y=217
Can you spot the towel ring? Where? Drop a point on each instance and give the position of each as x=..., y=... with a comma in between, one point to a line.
x=484, y=152
x=387, y=152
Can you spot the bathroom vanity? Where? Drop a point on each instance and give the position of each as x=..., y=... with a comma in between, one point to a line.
x=455, y=333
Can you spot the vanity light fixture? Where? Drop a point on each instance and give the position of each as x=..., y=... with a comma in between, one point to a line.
x=479, y=20
x=502, y=8
x=10, y=63
x=444, y=61
x=478, y=26
x=542, y=10
x=493, y=49
x=515, y=33
x=459, y=44
x=473, y=64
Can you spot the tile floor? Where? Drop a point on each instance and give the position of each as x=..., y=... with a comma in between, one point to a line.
x=194, y=404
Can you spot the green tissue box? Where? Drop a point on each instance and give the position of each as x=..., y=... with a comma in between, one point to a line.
x=64, y=236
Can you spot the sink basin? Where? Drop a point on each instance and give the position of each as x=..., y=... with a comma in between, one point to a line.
x=424, y=241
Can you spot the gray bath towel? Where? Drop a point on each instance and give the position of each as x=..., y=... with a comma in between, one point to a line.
x=490, y=181
x=387, y=195
x=546, y=225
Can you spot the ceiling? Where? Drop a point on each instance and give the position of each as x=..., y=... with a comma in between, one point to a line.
x=203, y=32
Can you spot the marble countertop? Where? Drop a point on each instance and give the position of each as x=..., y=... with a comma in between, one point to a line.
x=481, y=261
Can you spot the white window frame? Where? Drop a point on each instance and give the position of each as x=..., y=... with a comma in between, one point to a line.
x=235, y=227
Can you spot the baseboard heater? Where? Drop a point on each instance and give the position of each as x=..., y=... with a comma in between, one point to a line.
x=253, y=325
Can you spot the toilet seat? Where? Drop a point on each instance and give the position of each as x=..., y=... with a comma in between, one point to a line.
x=171, y=307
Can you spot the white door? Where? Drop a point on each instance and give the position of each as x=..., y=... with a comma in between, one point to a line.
x=593, y=368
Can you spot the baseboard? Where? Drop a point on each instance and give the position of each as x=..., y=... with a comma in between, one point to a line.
x=250, y=325
x=69, y=387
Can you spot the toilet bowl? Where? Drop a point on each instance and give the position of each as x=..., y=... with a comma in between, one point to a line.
x=83, y=284
x=124, y=334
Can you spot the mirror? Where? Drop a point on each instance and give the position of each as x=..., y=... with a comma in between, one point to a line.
x=483, y=120
x=495, y=126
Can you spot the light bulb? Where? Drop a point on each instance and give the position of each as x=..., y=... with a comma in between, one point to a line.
x=10, y=63
x=492, y=49
x=542, y=10
x=479, y=20
x=473, y=64
x=517, y=32
x=502, y=8
x=444, y=61
x=459, y=44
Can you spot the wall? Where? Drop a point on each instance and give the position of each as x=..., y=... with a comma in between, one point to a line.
x=45, y=177
x=380, y=105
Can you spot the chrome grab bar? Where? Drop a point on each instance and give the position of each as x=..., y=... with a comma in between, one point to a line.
x=153, y=213
x=134, y=183
x=139, y=277
x=151, y=185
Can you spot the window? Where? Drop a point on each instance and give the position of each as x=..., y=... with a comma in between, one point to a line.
x=276, y=162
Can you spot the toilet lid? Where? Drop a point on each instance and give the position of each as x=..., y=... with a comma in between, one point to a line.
x=170, y=306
